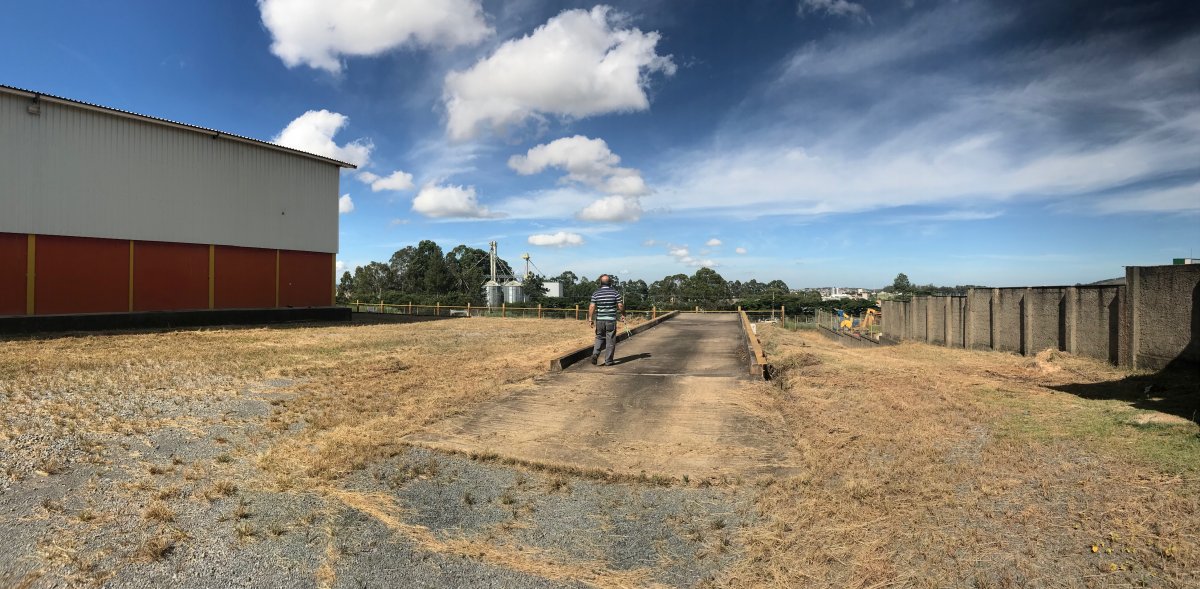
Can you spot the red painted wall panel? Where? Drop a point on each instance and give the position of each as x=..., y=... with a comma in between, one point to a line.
x=81, y=275
x=169, y=276
x=245, y=277
x=12, y=273
x=305, y=279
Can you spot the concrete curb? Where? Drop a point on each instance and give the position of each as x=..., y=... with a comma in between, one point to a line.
x=562, y=362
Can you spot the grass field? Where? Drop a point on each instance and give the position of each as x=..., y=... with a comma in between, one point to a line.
x=132, y=457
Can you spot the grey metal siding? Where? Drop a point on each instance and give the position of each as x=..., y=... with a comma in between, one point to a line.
x=71, y=171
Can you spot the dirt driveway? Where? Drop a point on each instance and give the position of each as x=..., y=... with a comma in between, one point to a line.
x=671, y=406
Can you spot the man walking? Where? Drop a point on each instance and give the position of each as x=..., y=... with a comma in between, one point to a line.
x=603, y=312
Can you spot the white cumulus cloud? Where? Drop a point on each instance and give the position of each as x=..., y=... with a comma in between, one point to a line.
x=345, y=204
x=586, y=161
x=683, y=255
x=714, y=242
x=740, y=250
x=313, y=132
x=578, y=64
x=450, y=202
x=559, y=239
x=318, y=32
x=398, y=180
x=612, y=208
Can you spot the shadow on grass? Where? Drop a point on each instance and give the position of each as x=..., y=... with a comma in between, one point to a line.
x=1174, y=390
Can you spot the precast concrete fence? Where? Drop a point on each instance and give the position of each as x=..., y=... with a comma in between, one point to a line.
x=1151, y=321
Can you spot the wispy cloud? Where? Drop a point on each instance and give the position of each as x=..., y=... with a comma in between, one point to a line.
x=941, y=135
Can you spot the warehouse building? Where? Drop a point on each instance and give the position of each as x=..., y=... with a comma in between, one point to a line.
x=109, y=212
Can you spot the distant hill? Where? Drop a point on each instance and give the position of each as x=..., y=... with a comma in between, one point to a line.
x=1118, y=281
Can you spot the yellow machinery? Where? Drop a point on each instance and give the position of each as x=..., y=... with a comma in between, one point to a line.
x=846, y=322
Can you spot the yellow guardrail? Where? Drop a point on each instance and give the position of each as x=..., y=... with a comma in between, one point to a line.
x=758, y=364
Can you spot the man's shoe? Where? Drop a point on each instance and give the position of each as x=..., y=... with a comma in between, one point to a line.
x=609, y=363
x=594, y=360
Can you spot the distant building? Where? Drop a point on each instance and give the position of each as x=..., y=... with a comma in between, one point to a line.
x=553, y=288
x=107, y=211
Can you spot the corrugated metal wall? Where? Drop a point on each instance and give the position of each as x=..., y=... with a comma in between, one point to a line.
x=76, y=172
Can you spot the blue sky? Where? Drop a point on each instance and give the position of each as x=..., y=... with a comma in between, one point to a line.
x=822, y=142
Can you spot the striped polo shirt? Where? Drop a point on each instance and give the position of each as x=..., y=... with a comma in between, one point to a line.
x=606, y=298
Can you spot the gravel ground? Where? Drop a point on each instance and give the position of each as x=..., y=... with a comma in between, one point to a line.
x=166, y=504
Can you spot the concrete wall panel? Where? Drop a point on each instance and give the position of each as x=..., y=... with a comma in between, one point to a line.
x=1166, y=312
x=1097, y=322
x=1008, y=325
x=919, y=314
x=979, y=301
x=957, y=321
x=937, y=320
x=1047, y=313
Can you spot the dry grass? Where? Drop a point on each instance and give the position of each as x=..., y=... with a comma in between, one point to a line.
x=158, y=511
x=931, y=467
x=358, y=410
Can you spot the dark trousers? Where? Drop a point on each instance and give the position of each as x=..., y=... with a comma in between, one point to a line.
x=606, y=337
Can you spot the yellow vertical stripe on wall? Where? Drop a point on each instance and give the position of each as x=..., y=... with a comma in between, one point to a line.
x=276, y=278
x=212, y=276
x=30, y=274
x=131, y=276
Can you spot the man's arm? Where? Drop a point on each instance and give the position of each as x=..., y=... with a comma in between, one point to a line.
x=592, y=313
x=621, y=308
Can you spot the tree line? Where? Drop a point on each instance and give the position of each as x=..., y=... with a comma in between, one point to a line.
x=425, y=275
x=904, y=288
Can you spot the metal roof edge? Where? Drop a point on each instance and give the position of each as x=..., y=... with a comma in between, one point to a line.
x=215, y=134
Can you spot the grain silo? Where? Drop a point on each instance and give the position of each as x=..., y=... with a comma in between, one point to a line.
x=110, y=212
x=513, y=293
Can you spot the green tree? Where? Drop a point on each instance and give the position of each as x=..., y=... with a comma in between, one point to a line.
x=534, y=287
x=374, y=282
x=901, y=284
x=637, y=294
x=345, y=289
x=706, y=288
x=399, y=263
x=426, y=272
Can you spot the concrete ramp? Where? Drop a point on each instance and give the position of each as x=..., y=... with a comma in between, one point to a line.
x=676, y=403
